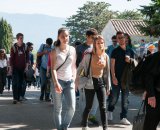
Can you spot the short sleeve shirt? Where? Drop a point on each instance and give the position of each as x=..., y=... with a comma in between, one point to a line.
x=119, y=55
x=42, y=48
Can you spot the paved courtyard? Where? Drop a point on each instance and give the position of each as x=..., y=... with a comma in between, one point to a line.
x=36, y=115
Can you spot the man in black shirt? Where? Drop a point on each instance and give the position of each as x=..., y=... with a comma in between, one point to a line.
x=119, y=57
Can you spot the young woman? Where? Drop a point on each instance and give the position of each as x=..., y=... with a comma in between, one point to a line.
x=3, y=70
x=100, y=77
x=63, y=66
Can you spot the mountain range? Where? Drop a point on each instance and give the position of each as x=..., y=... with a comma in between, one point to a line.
x=35, y=27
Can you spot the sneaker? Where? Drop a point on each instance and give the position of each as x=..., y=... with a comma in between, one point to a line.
x=24, y=99
x=124, y=121
x=14, y=101
x=84, y=128
x=93, y=120
x=110, y=115
x=41, y=98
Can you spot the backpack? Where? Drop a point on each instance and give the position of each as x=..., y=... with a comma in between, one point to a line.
x=137, y=84
x=29, y=74
x=15, y=49
x=39, y=59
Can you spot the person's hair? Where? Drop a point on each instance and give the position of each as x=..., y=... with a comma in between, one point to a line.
x=114, y=37
x=58, y=43
x=19, y=35
x=49, y=41
x=91, y=32
x=29, y=44
x=77, y=43
x=94, y=44
x=3, y=51
x=129, y=39
x=119, y=32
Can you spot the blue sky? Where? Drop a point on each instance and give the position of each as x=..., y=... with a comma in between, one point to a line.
x=62, y=8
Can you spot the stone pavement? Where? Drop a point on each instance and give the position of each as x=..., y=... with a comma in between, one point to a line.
x=36, y=115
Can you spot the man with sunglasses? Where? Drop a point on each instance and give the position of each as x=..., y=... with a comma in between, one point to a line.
x=119, y=58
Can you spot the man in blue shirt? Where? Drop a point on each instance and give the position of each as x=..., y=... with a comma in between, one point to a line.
x=112, y=47
x=44, y=51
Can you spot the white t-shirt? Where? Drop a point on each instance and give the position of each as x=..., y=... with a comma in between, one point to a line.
x=65, y=72
x=3, y=63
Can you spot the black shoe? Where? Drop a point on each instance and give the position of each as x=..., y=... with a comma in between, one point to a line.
x=41, y=99
x=93, y=120
x=14, y=101
x=47, y=100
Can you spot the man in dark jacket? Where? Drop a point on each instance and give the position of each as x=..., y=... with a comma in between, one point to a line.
x=19, y=64
x=152, y=84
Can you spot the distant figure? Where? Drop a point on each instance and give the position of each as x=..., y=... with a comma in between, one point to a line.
x=151, y=49
x=128, y=41
x=9, y=75
x=112, y=47
x=3, y=69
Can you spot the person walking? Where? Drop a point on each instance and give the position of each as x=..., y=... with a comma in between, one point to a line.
x=19, y=60
x=152, y=94
x=81, y=50
x=3, y=69
x=98, y=63
x=43, y=51
x=119, y=58
x=63, y=69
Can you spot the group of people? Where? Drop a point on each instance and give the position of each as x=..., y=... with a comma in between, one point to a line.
x=88, y=69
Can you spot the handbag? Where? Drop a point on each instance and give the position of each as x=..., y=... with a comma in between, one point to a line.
x=85, y=78
x=138, y=121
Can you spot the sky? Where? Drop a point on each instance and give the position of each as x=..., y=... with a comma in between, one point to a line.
x=62, y=8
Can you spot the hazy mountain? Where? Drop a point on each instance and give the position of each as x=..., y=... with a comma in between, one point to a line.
x=35, y=27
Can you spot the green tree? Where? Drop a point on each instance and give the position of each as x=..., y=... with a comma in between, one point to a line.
x=152, y=18
x=91, y=15
x=129, y=15
x=6, y=35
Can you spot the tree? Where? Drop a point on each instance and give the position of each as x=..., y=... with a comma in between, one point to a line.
x=129, y=15
x=152, y=18
x=91, y=15
x=6, y=35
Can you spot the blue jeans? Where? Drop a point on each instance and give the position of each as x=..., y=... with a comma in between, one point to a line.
x=113, y=98
x=43, y=83
x=70, y=102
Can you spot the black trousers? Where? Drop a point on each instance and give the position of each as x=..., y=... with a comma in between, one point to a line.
x=3, y=74
x=17, y=83
x=152, y=118
x=100, y=90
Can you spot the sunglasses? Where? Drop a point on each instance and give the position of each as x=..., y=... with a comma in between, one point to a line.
x=121, y=37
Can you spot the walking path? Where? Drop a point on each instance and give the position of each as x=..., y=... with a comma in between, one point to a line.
x=36, y=115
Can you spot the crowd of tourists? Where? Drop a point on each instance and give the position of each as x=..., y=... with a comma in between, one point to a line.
x=87, y=70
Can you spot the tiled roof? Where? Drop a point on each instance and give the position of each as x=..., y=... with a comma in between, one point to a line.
x=128, y=26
